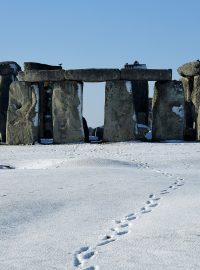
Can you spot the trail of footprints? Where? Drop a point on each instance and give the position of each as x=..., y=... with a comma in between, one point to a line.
x=121, y=227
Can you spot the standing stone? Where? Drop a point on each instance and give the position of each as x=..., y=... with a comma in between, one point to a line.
x=5, y=81
x=141, y=102
x=190, y=115
x=198, y=125
x=196, y=93
x=8, y=73
x=22, y=117
x=67, y=112
x=120, y=117
x=168, y=111
x=188, y=88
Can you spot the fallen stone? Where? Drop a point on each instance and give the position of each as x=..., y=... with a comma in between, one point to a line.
x=92, y=75
x=41, y=76
x=146, y=74
x=21, y=123
x=120, y=117
x=9, y=68
x=67, y=112
x=39, y=66
x=190, y=69
x=168, y=111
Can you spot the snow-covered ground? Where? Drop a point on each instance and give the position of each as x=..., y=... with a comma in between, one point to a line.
x=100, y=206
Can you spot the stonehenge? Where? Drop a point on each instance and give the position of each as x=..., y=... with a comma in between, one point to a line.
x=45, y=103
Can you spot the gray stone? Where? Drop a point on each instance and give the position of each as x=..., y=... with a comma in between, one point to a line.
x=190, y=115
x=41, y=75
x=92, y=75
x=120, y=117
x=196, y=93
x=146, y=74
x=22, y=119
x=39, y=66
x=168, y=111
x=9, y=68
x=140, y=99
x=198, y=125
x=67, y=112
x=188, y=88
x=5, y=82
x=190, y=69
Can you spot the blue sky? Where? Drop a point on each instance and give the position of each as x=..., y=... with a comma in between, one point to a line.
x=106, y=33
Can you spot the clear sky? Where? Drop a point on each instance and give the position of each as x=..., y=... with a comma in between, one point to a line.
x=106, y=33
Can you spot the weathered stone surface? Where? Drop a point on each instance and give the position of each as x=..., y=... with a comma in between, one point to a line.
x=39, y=66
x=41, y=75
x=67, y=112
x=22, y=125
x=120, y=117
x=5, y=82
x=92, y=75
x=168, y=111
x=198, y=125
x=190, y=69
x=9, y=68
x=188, y=88
x=196, y=93
x=146, y=74
x=190, y=114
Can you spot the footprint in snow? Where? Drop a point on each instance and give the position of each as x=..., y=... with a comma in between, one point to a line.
x=165, y=191
x=91, y=268
x=145, y=210
x=82, y=255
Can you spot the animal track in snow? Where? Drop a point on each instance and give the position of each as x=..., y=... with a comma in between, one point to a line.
x=83, y=255
x=122, y=226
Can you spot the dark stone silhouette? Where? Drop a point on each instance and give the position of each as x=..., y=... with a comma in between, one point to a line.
x=86, y=130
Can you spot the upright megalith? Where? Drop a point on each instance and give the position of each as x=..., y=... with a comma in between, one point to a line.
x=119, y=117
x=67, y=112
x=8, y=73
x=168, y=111
x=140, y=93
x=190, y=73
x=22, y=117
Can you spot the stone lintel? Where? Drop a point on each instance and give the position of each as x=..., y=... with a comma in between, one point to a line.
x=9, y=68
x=41, y=75
x=92, y=74
x=39, y=66
x=146, y=74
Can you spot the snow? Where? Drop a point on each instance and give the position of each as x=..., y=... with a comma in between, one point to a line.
x=178, y=110
x=148, y=135
x=36, y=117
x=129, y=86
x=142, y=126
x=111, y=206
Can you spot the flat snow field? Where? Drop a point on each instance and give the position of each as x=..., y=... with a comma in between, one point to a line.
x=113, y=206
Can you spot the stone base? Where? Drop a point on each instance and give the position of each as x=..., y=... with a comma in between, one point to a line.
x=120, y=117
x=168, y=111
